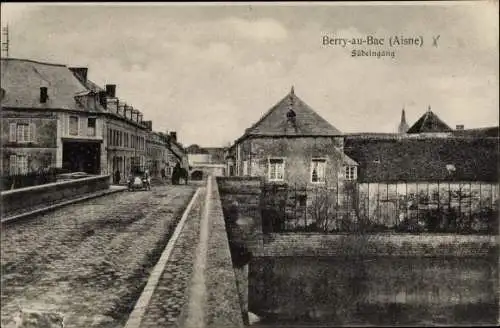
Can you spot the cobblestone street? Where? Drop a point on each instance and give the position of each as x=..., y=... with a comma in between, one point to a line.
x=89, y=261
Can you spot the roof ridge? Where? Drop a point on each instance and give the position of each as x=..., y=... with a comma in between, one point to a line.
x=33, y=61
x=426, y=116
x=266, y=114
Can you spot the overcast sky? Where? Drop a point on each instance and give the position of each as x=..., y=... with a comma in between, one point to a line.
x=208, y=72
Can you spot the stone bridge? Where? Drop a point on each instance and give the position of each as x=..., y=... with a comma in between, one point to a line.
x=201, y=171
x=202, y=276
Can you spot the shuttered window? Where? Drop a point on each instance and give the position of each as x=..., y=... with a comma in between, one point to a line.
x=245, y=167
x=12, y=132
x=22, y=132
x=13, y=164
x=32, y=132
x=18, y=164
x=22, y=164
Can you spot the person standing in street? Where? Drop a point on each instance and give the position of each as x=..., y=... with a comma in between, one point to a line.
x=117, y=177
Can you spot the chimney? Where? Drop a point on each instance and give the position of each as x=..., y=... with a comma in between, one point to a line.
x=173, y=136
x=129, y=112
x=460, y=127
x=103, y=99
x=135, y=115
x=112, y=105
x=43, y=95
x=149, y=125
x=111, y=90
x=80, y=73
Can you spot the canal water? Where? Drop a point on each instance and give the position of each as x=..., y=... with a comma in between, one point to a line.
x=308, y=291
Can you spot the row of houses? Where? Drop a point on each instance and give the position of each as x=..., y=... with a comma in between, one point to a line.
x=292, y=146
x=54, y=116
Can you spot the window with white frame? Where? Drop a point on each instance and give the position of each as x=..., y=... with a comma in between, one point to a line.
x=350, y=172
x=23, y=133
x=20, y=132
x=73, y=125
x=91, y=126
x=276, y=169
x=318, y=170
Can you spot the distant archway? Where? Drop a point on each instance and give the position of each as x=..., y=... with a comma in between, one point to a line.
x=197, y=175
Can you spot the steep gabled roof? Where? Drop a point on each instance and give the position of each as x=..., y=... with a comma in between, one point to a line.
x=429, y=122
x=424, y=159
x=21, y=79
x=304, y=122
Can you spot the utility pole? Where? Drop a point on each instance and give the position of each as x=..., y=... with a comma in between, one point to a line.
x=5, y=42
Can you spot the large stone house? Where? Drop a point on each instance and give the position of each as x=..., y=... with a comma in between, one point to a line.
x=126, y=131
x=292, y=144
x=49, y=119
x=54, y=116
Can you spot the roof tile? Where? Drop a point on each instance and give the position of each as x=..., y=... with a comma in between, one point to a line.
x=292, y=117
x=424, y=159
x=22, y=79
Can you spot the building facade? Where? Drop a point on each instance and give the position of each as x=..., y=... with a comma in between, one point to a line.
x=291, y=144
x=53, y=116
x=50, y=119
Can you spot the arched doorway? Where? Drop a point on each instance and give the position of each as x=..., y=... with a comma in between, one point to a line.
x=197, y=175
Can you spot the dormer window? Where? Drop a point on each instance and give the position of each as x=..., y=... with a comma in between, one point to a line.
x=291, y=116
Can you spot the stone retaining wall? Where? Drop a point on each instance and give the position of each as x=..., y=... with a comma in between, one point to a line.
x=390, y=244
x=240, y=199
x=49, y=194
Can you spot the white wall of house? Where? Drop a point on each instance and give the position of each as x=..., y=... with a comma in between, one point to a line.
x=385, y=202
x=194, y=159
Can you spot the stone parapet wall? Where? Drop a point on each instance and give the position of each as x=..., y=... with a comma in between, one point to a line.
x=224, y=299
x=51, y=193
x=213, y=298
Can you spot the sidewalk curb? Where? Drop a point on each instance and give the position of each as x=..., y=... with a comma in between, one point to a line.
x=135, y=318
x=61, y=204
